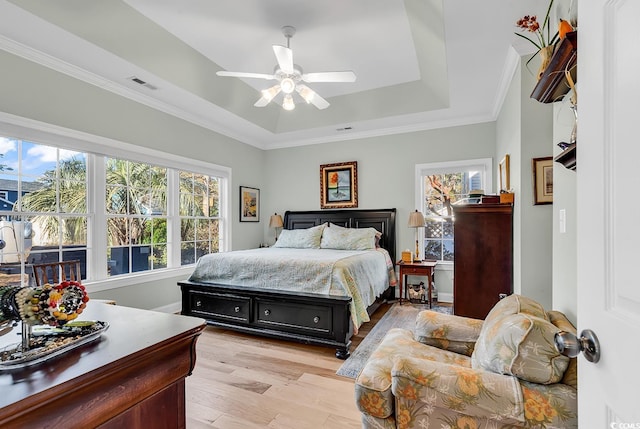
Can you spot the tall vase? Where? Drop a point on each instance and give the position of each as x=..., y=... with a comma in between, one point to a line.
x=545, y=58
x=574, y=131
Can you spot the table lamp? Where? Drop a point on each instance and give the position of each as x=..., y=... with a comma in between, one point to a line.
x=416, y=220
x=275, y=222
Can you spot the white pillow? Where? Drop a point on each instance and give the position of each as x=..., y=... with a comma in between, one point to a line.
x=340, y=238
x=378, y=233
x=308, y=238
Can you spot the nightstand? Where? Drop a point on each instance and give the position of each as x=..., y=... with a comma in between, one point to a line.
x=423, y=268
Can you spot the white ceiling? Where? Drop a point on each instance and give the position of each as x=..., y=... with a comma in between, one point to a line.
x=421, y=64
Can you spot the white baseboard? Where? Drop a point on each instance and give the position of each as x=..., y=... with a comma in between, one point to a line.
x=445, y=297
x=174, y=308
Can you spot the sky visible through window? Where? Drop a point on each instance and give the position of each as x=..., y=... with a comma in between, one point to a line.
x=36, y=159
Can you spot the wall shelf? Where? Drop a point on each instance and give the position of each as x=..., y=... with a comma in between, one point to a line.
x=553, y=85
x=568, y=157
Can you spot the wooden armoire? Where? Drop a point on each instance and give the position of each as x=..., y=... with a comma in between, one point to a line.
x=483, y=257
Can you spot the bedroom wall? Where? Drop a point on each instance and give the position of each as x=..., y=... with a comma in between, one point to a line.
x=386, y=173
x=537, y=220
x=524, y=131
x=39, y=93
x=565, y=290
x=508, y=132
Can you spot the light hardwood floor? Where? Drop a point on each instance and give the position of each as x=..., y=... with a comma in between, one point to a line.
x=244, y=381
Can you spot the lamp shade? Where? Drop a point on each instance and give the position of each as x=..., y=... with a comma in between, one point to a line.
x=275, y=221
x=416, y=219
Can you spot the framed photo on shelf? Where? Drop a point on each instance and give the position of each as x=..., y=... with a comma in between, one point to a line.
x=542, y=169
x=339, y=185
x=249, y=204
x=504, y=173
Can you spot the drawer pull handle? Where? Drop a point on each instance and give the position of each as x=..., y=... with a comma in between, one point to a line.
x=237, y=309
x=316, y=319
x=267, y=312
x=198, y=303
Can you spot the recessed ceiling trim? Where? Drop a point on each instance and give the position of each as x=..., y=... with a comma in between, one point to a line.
x=508, y=71
x=378, y=132
x=45, y=60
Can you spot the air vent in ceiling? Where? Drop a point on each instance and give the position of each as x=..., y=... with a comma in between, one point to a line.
x=142, y=82
x=344, y=129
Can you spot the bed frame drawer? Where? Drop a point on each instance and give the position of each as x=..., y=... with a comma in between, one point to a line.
x=292, y=315
x=318, y=319
x=221, y=306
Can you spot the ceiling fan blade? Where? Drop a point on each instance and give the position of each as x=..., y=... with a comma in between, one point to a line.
x=284, y=56
x=268, y=95
x=243, y=74
x=262, y=102
x=337, y=76
x=310, y=96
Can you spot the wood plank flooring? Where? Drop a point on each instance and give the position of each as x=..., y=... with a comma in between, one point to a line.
x=244, y=381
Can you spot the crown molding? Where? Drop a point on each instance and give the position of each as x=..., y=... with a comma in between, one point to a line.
x=56, y=64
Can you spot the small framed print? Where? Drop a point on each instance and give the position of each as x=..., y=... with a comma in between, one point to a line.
x=542, y=180
x=339, y=185
x=249, y=204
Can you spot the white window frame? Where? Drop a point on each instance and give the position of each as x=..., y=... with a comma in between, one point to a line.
x=97, y=148
x=484, y=165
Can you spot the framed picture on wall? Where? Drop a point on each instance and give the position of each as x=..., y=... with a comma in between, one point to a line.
x=249, y=204
x=339, y=185
x=542, y=169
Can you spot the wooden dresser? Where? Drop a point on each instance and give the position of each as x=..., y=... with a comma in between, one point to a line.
x=132, y=377
x=483, y=257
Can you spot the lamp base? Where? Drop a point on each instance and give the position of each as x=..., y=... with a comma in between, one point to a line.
x=417, y=260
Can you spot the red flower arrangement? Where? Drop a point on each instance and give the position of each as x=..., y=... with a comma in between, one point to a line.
x=542, y=34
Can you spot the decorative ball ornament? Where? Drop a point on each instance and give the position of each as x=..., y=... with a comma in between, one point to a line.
x=48, y=304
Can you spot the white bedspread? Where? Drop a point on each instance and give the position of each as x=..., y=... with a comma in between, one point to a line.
x=360, y=274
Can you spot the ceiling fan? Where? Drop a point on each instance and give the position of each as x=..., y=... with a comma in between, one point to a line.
x=290, y=77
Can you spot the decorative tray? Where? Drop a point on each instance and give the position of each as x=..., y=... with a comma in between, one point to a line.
x=47, y=342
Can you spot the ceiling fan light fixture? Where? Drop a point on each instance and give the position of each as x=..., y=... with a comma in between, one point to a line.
x=287, y=85
x=287, y=103
x=306, y=94
x=269, y=93
x=290, y=78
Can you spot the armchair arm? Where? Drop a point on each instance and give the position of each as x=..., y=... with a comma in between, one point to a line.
x=445, y=331
x=452, y=393
x=433, y=385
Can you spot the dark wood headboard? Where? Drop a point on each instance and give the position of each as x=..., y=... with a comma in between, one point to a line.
x=384, y=220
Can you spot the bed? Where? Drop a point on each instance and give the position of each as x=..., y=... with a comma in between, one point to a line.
x=283, y=310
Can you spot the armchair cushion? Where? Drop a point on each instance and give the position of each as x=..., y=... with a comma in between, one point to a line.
x=521, y=345
x=445, y=331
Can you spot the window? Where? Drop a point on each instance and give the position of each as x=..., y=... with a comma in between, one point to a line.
x=47, y=221
x=440, y=186
x=199, y=216
x=118, y=215
x=136, y=216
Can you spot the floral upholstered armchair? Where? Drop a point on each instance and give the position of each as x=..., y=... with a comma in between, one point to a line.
x=456, y=372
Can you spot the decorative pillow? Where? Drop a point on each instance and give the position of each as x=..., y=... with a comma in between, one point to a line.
x=348, y=238
x=513, y=304
x=308, y=238
x=378, y=233
x=520, y=345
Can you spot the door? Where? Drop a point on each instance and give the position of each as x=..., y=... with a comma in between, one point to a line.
x=608, y=185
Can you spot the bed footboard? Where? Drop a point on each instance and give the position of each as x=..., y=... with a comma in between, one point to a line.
x=307, y=318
